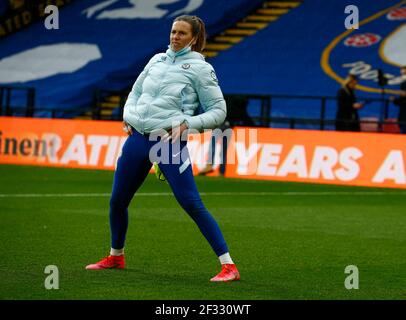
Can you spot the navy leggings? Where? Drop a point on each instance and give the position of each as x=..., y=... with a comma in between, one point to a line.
x=132, y=168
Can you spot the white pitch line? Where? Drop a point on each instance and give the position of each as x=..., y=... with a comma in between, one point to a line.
x=159, y=194
x=52, y=195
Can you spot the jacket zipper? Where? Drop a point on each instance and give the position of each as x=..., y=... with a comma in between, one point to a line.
x=159, y=86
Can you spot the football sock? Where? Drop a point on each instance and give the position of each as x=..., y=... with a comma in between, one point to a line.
x=226, y=259
x=116, y=252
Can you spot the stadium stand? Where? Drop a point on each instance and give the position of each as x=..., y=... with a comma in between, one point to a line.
x=305, y=53
x=3, y=8
x=16, y=15
x=108, y=105
x=287, y=56
x=100, y=45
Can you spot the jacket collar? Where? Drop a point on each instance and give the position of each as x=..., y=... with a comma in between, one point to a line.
x=172, y=54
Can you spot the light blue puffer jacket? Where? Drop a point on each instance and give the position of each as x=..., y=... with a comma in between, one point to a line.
x=170, y=89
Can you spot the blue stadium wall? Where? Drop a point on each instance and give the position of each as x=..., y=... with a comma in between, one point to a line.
x=105, y=44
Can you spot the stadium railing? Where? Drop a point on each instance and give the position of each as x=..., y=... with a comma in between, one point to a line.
x=17, y=101
x=322, y=111
x=317, y=112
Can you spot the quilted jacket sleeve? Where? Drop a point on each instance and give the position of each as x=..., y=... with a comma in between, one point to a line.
x=211, y=99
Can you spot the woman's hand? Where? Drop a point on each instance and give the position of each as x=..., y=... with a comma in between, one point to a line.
x=176, y=133
x=127, y=128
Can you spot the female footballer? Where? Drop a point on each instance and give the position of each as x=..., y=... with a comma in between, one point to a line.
x=165, y=97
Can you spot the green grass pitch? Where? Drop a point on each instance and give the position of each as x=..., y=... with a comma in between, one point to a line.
x=289, y=240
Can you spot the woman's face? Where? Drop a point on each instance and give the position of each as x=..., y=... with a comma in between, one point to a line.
x=181, y=35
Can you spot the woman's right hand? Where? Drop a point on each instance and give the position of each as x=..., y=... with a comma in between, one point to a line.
x=127, y=128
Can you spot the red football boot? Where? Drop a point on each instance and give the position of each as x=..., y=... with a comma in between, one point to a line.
x=228, y=272
x=110, y=262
